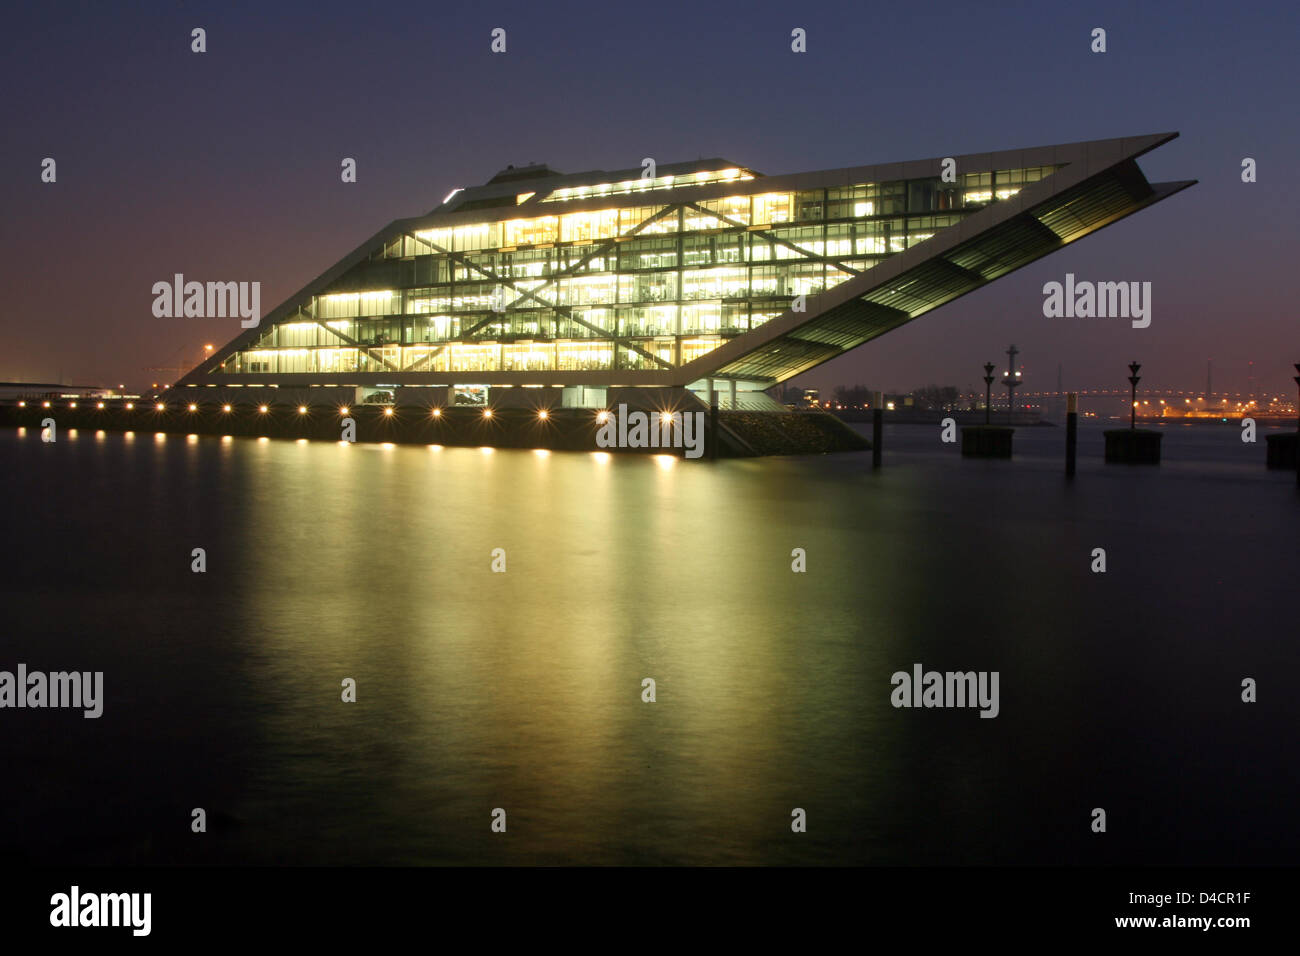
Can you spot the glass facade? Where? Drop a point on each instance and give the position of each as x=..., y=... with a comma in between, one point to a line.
x=628, y=286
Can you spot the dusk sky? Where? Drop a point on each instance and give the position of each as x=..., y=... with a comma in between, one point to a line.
x=225, y=165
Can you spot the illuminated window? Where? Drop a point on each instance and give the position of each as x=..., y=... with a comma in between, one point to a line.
x=585, y=356
x=586, y=226
x=772, y=207
x=522, y=232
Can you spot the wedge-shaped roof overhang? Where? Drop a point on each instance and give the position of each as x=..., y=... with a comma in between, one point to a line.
x=1099, y=184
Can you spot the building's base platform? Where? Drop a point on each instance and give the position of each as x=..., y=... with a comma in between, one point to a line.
x=737, y=433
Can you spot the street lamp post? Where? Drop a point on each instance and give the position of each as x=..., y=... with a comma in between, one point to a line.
x=1012, y=379
x=988, y=390
x=1133, y=380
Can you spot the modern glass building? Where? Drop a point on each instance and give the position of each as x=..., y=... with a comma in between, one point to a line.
x=708, y=275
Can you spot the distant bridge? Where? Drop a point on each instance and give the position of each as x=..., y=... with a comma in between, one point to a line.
x=1158, y=391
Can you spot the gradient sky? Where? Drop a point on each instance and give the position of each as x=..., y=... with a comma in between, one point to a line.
x=225, y=165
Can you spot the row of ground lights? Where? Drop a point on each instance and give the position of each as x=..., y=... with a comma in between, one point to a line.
x=543, y=414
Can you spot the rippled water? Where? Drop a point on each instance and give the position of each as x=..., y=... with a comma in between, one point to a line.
x=522, y=690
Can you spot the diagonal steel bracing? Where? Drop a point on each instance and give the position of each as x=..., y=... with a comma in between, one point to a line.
x=772, y=237
x=570, y=270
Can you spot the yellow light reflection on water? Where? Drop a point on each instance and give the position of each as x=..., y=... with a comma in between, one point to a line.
x=557, y=702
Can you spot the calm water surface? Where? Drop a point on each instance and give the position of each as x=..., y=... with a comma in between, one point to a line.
x=522, y=690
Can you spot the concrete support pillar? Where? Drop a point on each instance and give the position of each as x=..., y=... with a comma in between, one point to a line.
x=713, y=421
